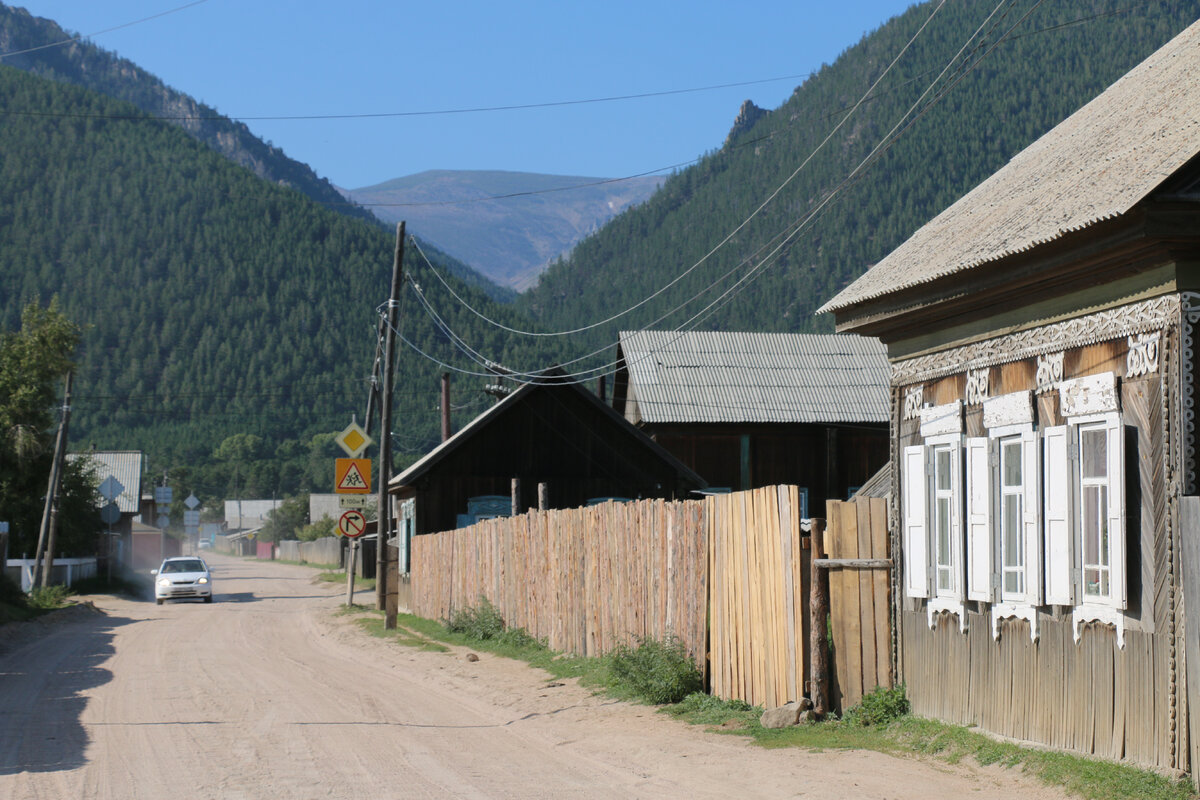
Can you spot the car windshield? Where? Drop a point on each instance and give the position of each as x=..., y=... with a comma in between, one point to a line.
x=190, y=565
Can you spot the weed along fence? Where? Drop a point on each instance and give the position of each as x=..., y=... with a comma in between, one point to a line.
x=729, y=576
x=585, y=579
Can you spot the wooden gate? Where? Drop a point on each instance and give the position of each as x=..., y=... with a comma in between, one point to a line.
x=857, y=557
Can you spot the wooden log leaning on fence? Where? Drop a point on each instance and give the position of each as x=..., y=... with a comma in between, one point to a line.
x=819, y=611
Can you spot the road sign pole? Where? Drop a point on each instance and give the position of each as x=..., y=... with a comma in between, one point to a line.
x=350, y=559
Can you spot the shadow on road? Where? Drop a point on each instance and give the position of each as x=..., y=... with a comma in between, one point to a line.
x=44, y=678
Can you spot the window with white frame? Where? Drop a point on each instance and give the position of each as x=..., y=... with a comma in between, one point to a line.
x=1003, y=526
x=1084, y=504
x=932, y=503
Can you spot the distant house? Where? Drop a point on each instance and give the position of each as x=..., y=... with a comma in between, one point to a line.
x=745, y=410
x=246, y=515
x=1042, y=338
x=548, y=432
x=125, y=466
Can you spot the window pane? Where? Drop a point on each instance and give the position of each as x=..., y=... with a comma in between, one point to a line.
x=1093, y=453
x=1012, y=531
x=943, y=531
x=942, y=468
x=1012, y=582
x=1010, y=455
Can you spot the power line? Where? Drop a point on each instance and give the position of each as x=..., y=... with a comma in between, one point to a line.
x=98, y=33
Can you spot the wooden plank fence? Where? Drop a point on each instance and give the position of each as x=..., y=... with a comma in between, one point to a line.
x=759, y=596
x=585, y=579
x=728, y=576
x=859, y=598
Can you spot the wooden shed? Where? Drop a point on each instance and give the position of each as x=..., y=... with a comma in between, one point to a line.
x=747, y=410
x=1043, y=430
x=550, y=431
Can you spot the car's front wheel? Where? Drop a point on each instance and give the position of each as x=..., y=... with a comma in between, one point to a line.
x=158, y=600
x=208, y=599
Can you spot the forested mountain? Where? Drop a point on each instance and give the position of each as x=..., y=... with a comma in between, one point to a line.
x=213, y=303
x=506, y=225
x=23, y=43
x=1059, y=56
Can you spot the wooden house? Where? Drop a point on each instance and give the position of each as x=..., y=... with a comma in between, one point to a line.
x=1044, y=433
x=549, y=431
x=746, y=410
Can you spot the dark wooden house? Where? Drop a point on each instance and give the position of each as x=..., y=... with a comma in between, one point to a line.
x=1043, y=440
x=746, y=410
x=550, y=432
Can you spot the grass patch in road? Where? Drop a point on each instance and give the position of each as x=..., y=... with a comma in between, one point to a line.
x=333, y=576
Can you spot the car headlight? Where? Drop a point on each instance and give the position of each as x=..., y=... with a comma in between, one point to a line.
x=203, y=579
x=163, y=582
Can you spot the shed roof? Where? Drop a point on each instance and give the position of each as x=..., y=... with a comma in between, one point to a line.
x=756, y=377
x=125, y=466
x=1095, y=165
x=552, y=379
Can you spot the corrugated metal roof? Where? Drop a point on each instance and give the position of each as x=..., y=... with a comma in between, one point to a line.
x=1095, y=165
x=126, y=467
x=756, y=377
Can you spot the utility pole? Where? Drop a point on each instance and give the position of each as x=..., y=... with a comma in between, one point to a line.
x=49, y=529
x=384, y=517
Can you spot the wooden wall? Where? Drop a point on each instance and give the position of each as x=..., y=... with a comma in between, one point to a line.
x=1092, y=696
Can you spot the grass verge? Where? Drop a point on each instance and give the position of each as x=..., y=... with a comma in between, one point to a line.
x=360, y=584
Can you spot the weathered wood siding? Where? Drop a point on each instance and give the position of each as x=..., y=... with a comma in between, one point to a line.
x=859, y=599
x=1089, y=696
x=758, y=613
x=585, y=579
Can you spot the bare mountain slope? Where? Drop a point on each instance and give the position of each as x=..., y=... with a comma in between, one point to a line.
x=507, y=225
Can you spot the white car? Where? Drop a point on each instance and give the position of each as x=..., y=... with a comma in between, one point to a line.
x=186, y=576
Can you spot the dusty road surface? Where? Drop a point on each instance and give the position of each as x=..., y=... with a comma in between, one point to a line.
x=267, y=694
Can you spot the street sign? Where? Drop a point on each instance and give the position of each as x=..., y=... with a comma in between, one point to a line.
x=162, y=495
x=353, y=476
x=110, y=514
x=355, y=500
x=191, y=518
x=353, y=440
x=191, y=530
x=111, y=488
x=163, y=521
x=3, y=527
x=352, y=524
x=191, y=501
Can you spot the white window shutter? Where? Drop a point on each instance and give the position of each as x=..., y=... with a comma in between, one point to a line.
x=916, y=544
x=1116, y=509
x=1056, y=498
x=1031, y=527
x=956, y=521
x=979, y=520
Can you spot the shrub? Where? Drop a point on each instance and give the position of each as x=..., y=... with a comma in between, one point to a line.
x=48, y=597
x=879, y=707
x=481, y=622
x=658, y=672
x=10, y=592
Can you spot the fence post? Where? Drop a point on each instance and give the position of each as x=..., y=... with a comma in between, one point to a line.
x=818, y=625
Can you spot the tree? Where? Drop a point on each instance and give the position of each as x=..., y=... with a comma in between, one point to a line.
x=32, y=360
x=286, y=520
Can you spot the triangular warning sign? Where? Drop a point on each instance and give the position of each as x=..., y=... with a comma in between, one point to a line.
x=355, y=478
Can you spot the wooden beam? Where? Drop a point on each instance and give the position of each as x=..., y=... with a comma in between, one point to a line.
x=852, y=563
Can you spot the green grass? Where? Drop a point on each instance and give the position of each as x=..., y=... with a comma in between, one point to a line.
x=360, y=584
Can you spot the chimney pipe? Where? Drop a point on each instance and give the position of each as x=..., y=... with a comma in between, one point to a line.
x=445, y=406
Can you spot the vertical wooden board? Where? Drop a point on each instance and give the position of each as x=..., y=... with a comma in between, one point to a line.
x=850, y=650
x=880, y=582
x=788, y=558
x=866, y=598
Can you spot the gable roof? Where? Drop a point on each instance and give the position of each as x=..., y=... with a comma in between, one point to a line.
x=125, y=466
x=755, y=377
x=554, y=380
x=1094, y=166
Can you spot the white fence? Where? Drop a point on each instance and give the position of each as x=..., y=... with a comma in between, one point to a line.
x=66, y=570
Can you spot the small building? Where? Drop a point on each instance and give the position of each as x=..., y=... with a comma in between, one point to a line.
x=549, y=432
x=746, y=410
x=244, y=515
x=1042, y=338
x=124, y=466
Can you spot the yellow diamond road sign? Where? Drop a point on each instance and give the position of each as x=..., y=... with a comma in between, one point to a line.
x=353, y=440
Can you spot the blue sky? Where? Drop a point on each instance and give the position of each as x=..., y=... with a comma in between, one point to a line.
x=254, y=59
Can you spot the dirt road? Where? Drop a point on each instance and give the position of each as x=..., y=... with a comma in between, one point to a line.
x=267, y=694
